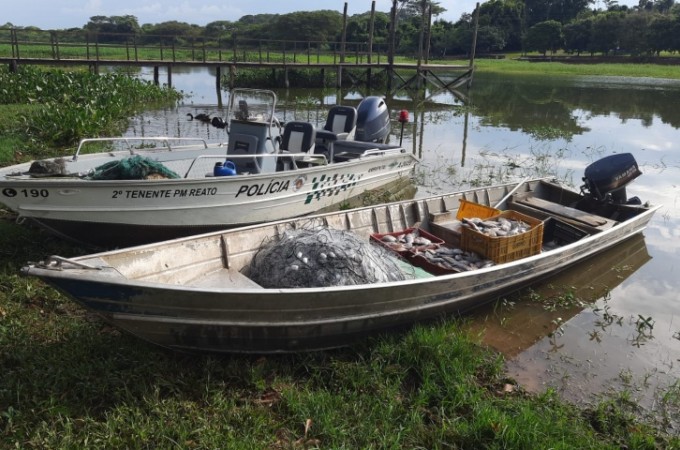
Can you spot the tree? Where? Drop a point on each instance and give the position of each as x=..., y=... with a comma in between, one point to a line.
x=577, y=35
x=605, y=32
x=416, y=8
x=358, y=27
x=219, y=29
x=663, y=6
x=323, y=26
x=663, y=34
x=634, y=39
x=506, y=17
x=113, y=28
x=545, y=36
x=176, y=31
x=560, y=10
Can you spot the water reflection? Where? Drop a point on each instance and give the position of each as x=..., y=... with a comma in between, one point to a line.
x=523, y=126
x=517, y=322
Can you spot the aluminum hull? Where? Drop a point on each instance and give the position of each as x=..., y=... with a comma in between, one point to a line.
x=189, y=294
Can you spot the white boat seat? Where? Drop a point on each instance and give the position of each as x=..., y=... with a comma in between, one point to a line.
x=340, y=123
x=298, y=137
x=240, y=145
x=340, y=126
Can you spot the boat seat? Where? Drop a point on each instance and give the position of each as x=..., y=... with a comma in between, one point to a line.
x=242, y=145
x=298, y=137
x=340, y=125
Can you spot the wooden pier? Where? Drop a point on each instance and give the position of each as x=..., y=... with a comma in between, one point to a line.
x=95, y=50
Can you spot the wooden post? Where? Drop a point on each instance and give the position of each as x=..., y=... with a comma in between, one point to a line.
x=218, y=85
x=15, y=43
x=234, y=44
x=428, y=33
x=474, y=36
x=169, y=76
x=232, y=76
x=390, y=50
x=344, y=35
x=155, y=75
x=474, y=47
x=371, y=26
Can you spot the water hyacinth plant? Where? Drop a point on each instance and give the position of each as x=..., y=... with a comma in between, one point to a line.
x=73, y=105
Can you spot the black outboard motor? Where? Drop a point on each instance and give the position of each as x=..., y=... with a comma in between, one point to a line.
x=373, y=120
x=606, y=179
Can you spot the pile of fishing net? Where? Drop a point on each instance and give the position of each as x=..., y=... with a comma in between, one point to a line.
x=324, y=257
x=134, y=168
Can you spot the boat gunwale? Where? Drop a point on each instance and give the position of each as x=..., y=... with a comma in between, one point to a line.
x=65, y=181
x=134, y=283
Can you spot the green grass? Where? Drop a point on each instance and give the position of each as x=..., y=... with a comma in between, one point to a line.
x=513, y=66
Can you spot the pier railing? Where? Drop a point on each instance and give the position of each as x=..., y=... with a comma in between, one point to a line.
x=69, y=45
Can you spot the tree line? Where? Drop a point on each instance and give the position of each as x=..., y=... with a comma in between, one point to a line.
x=651, y=27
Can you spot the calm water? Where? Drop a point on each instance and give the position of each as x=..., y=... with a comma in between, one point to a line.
x=618, y=327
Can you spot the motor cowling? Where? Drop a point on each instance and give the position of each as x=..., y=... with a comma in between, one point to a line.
x=373, y=120
x=607, y=178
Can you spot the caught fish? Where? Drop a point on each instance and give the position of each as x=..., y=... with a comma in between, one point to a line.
x=412, y=240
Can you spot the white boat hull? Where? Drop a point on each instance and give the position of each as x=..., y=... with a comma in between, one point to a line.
x=126, y=212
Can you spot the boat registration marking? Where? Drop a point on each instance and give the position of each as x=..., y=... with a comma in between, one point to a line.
x=28, y=193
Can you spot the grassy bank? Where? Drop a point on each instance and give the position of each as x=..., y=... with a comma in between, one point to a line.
x=511, y=65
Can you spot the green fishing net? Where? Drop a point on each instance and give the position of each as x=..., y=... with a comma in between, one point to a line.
x=133, y=168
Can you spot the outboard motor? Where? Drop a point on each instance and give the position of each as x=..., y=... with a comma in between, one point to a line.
x=606, y=179
x=373, y=120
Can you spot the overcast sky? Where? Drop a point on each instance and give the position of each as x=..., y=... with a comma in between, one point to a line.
x=57, y=14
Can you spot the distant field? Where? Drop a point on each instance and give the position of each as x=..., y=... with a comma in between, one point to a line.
x=512, y=65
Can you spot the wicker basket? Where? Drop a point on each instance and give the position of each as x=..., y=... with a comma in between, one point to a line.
x=507, y=248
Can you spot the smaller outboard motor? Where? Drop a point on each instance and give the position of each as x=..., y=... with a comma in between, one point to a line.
x=606, y=179
x=373, y=120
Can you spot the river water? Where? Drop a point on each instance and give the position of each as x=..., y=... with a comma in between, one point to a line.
x=609, y=326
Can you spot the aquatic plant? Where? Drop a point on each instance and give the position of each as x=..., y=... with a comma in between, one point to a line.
x=76, y=104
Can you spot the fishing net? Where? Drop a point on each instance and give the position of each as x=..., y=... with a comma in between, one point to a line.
x=48, y=168
x=324, y=257
x=133, y=168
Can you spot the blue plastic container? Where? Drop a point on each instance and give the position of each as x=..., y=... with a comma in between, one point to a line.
x=224, y=169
